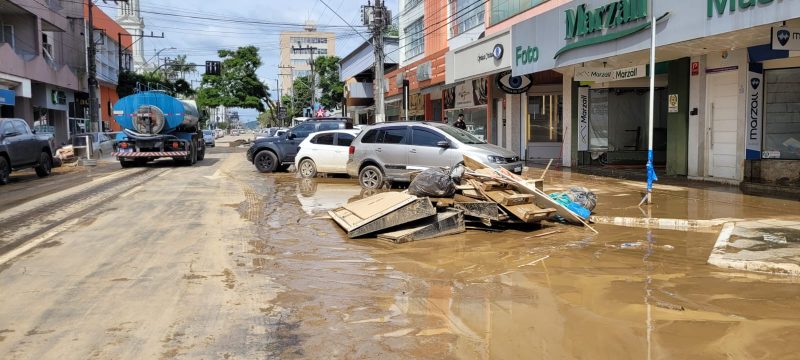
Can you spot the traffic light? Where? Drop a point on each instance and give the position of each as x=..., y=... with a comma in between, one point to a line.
x=213, y=68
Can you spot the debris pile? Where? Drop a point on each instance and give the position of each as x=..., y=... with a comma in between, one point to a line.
x=439, y=203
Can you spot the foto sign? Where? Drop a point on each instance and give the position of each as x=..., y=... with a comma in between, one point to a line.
x=784, y=38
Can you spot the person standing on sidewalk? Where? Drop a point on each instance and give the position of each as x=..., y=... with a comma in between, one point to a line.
x=444, y=121
x=460, y=122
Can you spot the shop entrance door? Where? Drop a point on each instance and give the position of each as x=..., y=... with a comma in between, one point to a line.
x=723, y=98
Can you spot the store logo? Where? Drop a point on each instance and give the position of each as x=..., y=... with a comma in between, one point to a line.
x=497, y=52
x=783, y=36
x=526, y=56
x=603, y=22
x=720, y=5
x=513, y=84
x=755, y=83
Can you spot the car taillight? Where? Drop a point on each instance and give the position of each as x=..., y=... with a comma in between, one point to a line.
x=352, y=150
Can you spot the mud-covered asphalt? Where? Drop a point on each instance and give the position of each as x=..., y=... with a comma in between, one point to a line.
x=219, y=261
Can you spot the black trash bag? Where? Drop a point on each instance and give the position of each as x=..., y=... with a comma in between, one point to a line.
x=583, y=197
x=433, y=182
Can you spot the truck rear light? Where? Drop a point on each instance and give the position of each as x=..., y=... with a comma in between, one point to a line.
x=123, y=145
x=351, y=150
x=176, y=145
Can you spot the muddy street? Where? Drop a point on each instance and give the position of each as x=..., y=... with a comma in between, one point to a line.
x=220, y=261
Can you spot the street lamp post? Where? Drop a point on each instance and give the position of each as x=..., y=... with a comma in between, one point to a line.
x=159, y=53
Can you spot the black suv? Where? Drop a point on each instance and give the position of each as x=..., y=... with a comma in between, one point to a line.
x=22, y=148
x=277, y=153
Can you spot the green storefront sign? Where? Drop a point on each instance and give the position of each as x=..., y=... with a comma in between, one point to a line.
x=604, y=22
x=720, y=5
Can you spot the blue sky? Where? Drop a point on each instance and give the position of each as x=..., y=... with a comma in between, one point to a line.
x=199, y=39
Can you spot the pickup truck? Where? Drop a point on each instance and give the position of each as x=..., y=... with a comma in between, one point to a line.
x=22, y=148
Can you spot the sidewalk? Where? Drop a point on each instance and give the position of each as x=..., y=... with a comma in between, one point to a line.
x=756, y=233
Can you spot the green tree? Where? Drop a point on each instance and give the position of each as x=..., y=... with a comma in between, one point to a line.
x=179, y=67
x=267, y=119
x=332, y=89
x=302, y=97
x=237, y=85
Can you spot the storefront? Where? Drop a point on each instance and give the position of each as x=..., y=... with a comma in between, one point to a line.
x=50, y=110
x=708, y=78
x=15, y=96
x=471, y=90
x=7, y=101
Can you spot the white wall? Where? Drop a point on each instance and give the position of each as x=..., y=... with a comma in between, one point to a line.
x=697, y=126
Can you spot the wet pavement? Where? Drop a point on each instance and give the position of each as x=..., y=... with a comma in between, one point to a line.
x=251, y=268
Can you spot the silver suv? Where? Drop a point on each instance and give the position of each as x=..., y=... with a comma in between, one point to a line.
x=392, y=151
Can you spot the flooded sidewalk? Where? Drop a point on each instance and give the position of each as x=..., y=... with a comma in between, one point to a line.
x=625, y=293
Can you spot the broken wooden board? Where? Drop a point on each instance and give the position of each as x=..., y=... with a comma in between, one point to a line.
x=472, y=163
x=445, y=223
x=381, y=211
x=481, y=209
x=528, y=213
x=542, y=200
x=442, y=202
x=509, y=198
x=472, y=194
x=491, y=185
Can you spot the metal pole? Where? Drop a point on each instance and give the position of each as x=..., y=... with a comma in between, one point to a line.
x=380, y=111
x=92, y=78
x=405, y=99
x=651, y=172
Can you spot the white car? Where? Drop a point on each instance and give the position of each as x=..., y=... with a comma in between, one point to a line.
x=324, y=152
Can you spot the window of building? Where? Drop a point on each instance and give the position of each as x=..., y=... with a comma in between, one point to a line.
x=415, y=38
x=308, y=40
x=504, y=9
x=7, y=35
x=299, y=61
x=410, y=4
x=782, y=121
x=302, y=73
x=316, y=51
x=544, y=118
x=465, y=15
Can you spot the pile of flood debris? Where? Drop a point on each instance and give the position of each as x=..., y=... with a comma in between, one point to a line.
x=440, y=202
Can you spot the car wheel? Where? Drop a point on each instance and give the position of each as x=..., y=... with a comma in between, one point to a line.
x=45, y=165
x=307, y=169
x=5, y=171
x=266, y=161
x=370, y=177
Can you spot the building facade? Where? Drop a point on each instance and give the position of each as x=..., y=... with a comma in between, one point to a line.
x=357, y=71
x=296, y=56
x=113, y=56
x=43, y=64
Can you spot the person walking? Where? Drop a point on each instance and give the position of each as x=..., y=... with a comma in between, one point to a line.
x=444, y=121
x=460, y=122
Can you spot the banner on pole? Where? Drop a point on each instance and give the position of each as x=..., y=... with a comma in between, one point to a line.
x=583, y=119
x=755, y=100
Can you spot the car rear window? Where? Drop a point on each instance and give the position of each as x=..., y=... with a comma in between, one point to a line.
x=393, y=135
x=323, y=139
x=370, y=137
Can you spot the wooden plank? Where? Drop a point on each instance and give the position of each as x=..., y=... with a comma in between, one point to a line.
x=473, y=164
x=491, y=185
x=418, y=209
x=542, y=199
x=378, y=204
x=473, y=194
x=529, y=213
x=446, y=223
x=464, y=187
x=442, y=202
x=463, y=199
x=516, y=199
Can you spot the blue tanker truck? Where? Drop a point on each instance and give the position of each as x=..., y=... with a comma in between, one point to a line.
x=156, y=125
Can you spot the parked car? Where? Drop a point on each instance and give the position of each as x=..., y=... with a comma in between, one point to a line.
x=234, y=132
x=208, y=137
x=102, y=144
x=219, y=133
x=324, y=152
x=22, y=148
x=278, y=152
x=392, y=151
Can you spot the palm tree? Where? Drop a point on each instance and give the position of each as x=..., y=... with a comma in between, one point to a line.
x=179, y=68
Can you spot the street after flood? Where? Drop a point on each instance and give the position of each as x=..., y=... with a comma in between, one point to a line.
x=220, y=261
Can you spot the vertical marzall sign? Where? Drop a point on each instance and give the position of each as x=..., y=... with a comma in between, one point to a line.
x=755, y=101
x=583, y=119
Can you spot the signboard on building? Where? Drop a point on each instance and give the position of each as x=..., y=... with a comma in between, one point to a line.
x=755, y=100
x=583, y=119
x=468, y=94
x=513, y=84
x=695, y=68
x=7, y=97
x=606, y=75
x=483, y=57
x=784, y=38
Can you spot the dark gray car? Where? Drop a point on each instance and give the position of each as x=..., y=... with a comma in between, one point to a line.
x=21, y=148
x=277, y=153
x=392, y=151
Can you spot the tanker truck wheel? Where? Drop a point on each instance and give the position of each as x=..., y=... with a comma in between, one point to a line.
x=266, y=161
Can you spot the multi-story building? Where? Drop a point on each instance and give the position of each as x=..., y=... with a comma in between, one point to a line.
x=296, y=56
x=113, y=46
x=357, y=71
x=43, y=64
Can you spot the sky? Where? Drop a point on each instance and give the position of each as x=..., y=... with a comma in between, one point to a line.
x=200, y=39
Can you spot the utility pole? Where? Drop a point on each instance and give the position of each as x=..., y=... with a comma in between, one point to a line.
x=92, y=78
x=121, y=50
x=311, y=51
x=377, y=18
x=291, y=78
